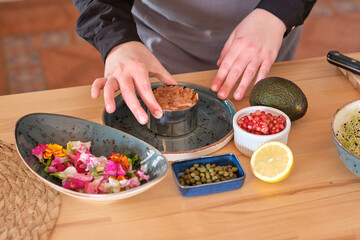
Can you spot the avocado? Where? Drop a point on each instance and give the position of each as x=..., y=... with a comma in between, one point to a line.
x=280, y=93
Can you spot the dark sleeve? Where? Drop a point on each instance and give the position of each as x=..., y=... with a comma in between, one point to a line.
x=292, y=12
x=105, y=23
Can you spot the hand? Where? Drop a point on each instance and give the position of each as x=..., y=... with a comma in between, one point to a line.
x=128, y=66
x=252, y=47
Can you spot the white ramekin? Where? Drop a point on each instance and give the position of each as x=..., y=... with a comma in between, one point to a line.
x=247, y=142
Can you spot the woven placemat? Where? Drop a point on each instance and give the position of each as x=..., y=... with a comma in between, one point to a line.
x=28, y=208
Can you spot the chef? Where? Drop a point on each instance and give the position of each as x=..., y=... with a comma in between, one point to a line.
x=143, y=38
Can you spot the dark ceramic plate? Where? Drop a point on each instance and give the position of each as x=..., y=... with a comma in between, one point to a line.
x=178, y=169
x=214, y=128
x=44, y=128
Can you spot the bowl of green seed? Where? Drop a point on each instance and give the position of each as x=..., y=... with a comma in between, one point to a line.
x=345, y=130
x=208, y=175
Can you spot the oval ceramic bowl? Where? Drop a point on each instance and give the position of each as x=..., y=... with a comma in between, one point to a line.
x=44, y=128
x=247, y=142
x=341, y=116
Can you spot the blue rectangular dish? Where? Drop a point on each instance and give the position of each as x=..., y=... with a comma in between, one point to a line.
x=178, y=169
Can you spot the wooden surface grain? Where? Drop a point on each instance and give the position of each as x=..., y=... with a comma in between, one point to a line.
x=319, y=200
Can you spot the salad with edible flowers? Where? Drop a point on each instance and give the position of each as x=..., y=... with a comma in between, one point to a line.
x=81, y=171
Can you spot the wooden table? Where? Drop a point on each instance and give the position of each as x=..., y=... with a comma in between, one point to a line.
x=319, y=200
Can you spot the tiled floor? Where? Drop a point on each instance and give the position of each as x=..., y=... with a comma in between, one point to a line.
x=39, y=48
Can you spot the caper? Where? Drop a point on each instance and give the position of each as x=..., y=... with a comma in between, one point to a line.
x=181, y=181
x=202, y=169
x=214, y=178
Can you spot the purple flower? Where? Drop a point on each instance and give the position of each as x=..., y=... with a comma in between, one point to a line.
x=114, y=169
x=74, y=184
x=83, y=177
x=38, y=151
x=79, y=164
x=134, y=182
x=57, y=165
x=141, y=175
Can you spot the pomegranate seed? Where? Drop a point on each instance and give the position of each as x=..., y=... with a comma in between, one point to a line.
x=261, y=123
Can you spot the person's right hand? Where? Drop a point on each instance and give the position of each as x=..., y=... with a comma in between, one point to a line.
x=128, y=66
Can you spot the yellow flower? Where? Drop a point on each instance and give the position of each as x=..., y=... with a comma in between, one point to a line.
x=54, y=149
x=122, y=159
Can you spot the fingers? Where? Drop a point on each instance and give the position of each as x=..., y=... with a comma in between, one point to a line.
x=163, y=75
x=127, y=89
x=246, y=79
x=242, y=60
x=224, y=69
x=97, y=85
x=264, y=69
x=231, y=68
x=225, y=49
x=110, y=87
x=143, y=86
x=226, y=65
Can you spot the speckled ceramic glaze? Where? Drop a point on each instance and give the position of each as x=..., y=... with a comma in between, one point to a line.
x=178, y=168
x=342, y=115
x=32, y=129
x=213, y=131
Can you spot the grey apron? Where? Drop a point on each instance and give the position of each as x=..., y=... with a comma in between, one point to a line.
x=188, y=35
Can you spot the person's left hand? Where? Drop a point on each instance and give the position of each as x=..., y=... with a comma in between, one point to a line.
x=251, y=48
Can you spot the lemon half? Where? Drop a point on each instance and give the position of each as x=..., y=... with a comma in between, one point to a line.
x=272, y=161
